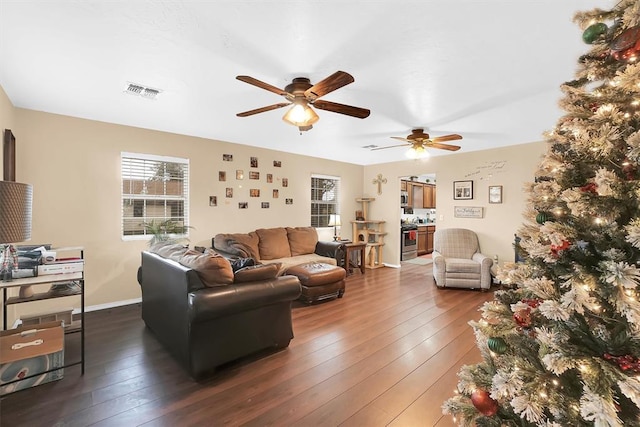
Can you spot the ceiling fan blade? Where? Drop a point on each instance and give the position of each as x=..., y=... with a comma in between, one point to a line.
x=443, y=146
x=391, y=146
x=452, y=137
x=349, y=110
x=400, y=139
x=261, y=85
x=263, y=109
x=331, y=83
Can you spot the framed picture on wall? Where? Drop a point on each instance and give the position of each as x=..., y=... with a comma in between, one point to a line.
x=495, y=194
x=462, y=190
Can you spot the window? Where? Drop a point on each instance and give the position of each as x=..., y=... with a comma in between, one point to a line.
x=154, y=188
x=324, y=199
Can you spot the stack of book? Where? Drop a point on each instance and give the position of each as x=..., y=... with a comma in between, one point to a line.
x=61, y=266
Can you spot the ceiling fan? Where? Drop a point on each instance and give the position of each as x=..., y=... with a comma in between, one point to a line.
x=300, y=93
x=419, y=141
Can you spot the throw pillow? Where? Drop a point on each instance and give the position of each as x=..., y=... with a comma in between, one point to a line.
x=257, y=272
x=244, y=245
x=212, y=268
x=302, y=240
x=273, y=243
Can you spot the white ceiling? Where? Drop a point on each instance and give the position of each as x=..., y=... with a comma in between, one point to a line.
x=489, y=70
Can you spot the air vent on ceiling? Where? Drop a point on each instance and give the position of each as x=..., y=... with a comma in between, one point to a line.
x=139, y=90
x=370, y=146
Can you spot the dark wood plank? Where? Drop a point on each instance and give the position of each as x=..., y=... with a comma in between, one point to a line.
x=386, y=353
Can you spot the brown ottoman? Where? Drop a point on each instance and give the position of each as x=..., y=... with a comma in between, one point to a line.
x=319, y=281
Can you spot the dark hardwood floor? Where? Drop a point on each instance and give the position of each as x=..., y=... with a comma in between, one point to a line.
x=385, y=354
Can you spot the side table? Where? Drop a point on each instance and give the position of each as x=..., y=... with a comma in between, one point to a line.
x=350, y=248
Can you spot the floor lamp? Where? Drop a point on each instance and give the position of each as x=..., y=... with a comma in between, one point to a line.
x=15, y=225
x=334, y=220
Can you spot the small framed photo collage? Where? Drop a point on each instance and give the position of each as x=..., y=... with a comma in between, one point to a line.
x=255, y=179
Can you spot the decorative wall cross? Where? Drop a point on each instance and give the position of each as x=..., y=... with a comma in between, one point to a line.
x=379, y=180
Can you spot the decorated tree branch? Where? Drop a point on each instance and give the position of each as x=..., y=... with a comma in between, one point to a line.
x=561, y=345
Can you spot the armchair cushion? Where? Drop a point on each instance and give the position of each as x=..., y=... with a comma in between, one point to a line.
x=459, y=265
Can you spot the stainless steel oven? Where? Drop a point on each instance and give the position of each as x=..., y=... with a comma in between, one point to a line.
x=408, y=241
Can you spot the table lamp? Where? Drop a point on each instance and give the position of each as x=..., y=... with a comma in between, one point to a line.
x=15, y=225
x=334, y=220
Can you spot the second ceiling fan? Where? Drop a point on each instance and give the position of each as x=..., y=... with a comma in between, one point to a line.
x=300, y=93
x=419, y=141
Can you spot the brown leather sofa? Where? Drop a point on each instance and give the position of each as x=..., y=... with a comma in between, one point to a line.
x=298, y=252
x=205, y=314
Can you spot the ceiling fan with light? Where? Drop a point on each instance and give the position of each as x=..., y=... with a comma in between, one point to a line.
x=301, y=94
x=419, y=141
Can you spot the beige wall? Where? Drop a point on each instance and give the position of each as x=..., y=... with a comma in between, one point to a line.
x=74, y=166
x=510, y=167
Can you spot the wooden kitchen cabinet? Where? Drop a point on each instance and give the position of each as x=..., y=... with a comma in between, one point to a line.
x=417, y=197
x=429, y=196
x=429, y=244
x=422, y=240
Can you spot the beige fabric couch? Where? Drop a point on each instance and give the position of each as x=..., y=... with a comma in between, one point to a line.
x=289, y=246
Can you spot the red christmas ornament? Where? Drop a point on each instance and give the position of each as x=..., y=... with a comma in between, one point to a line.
x=555, y=249
x=591, y=187
x=533, y=303
x=484, y=403
x=626, y=45
x=629, y=169
x=522, y=317
x=625, y=363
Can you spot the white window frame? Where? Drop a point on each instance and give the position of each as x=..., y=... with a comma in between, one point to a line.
x=336, y=203
x=127, y=160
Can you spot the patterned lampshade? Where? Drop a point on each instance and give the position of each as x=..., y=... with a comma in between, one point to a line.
x=15, y=211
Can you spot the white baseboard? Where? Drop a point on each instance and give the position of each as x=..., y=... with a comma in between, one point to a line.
x=108, y=305
x=391, y=265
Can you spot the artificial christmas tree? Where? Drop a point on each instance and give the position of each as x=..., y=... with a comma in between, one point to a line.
x=562, y=346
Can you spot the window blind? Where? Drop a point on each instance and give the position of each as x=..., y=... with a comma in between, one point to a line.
x=154, y=188
x=325, y=196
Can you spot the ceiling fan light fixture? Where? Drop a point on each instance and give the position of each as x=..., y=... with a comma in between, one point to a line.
x=300, y=114
x=418, y=152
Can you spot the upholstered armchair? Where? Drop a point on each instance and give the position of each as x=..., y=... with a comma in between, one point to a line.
x=457, y=261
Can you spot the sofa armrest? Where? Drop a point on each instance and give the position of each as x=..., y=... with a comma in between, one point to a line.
x=485, y=269
x=439, y=268
x=211, y=303
x=333, y=250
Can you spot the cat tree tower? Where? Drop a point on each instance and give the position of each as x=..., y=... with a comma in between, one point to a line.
x=370, y=232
